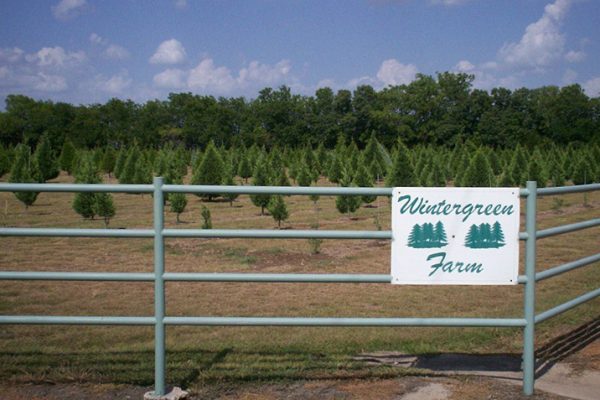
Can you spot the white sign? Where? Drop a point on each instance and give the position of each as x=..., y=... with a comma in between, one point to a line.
x=455, y=236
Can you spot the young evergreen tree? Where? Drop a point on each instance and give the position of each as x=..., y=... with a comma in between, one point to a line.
x=120, y=163
x=84, y=202
x=21, y=172
x=178, y=203
x=260, y=177
x=44, y=160
x=278, y=209
x=104, y=207
x=402, y=172
x=109, y=160
x=347, y=204
x=556, y=172
x=518, y=167
x=364, y=179
x=68, y=157
x=583, y=173
x=228, y=180
x=143, y=171
x=479, y=173
x=436, y=176
x=335, y=169
x=536, y=171
x=206, y=218
x=209, y=171
x=281, y=179
x=4, y=161
x=127, y=175
x=244, y=169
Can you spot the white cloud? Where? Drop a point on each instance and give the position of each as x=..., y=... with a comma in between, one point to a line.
x=169, y=52
x=66, y=9
x=115, y=84
x=4, y=72
x=97, y=39
x=170, y=79
x=116, y=52
x=208, y=77
x=11, y=55
x=111, y=51
x=449, y=2
x=464, y=66
x=575, y=56
x=48, y=83
x=592, y=87
x=542, y=43
x=181, y=4
x=263, y=73
x=56, y=57
x=392, y=72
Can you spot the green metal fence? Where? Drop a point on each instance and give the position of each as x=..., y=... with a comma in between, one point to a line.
x=160, y=276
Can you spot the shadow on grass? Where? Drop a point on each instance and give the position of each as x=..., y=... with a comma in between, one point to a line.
x=565, y=345
x=197, y=367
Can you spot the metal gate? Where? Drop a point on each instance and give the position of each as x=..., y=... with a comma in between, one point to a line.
x=527, y=320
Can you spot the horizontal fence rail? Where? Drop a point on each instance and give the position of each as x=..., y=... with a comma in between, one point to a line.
x=160, y=276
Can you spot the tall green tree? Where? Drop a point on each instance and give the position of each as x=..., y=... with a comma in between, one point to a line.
x=84, y=202
x=402, y=171
x=479, y=173
x=109, y=160
x=210, y=170
x=260, y=177
x=68, y=157
x=44, y=160
x=347, y=204
x=22, y=172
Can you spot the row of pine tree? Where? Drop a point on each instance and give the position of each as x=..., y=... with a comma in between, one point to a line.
x=346, y=165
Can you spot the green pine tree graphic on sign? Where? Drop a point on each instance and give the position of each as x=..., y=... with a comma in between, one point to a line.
x=427, y=235
x=485, y=236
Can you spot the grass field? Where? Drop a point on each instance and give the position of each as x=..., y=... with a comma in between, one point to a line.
x=201, y=355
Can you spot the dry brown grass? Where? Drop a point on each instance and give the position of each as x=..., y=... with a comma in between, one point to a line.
x=248, y=299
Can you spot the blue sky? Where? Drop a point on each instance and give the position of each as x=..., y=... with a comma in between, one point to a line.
x=87, y=51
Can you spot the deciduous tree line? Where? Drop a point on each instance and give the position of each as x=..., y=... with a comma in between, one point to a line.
x=442, y=110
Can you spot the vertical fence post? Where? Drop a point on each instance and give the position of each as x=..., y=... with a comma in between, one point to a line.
x=529, y=304
x=159, y=289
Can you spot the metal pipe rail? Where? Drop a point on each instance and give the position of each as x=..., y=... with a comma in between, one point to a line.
x=159, y=276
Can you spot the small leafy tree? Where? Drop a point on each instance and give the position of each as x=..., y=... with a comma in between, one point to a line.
x=278, y=209
x=68, y=157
